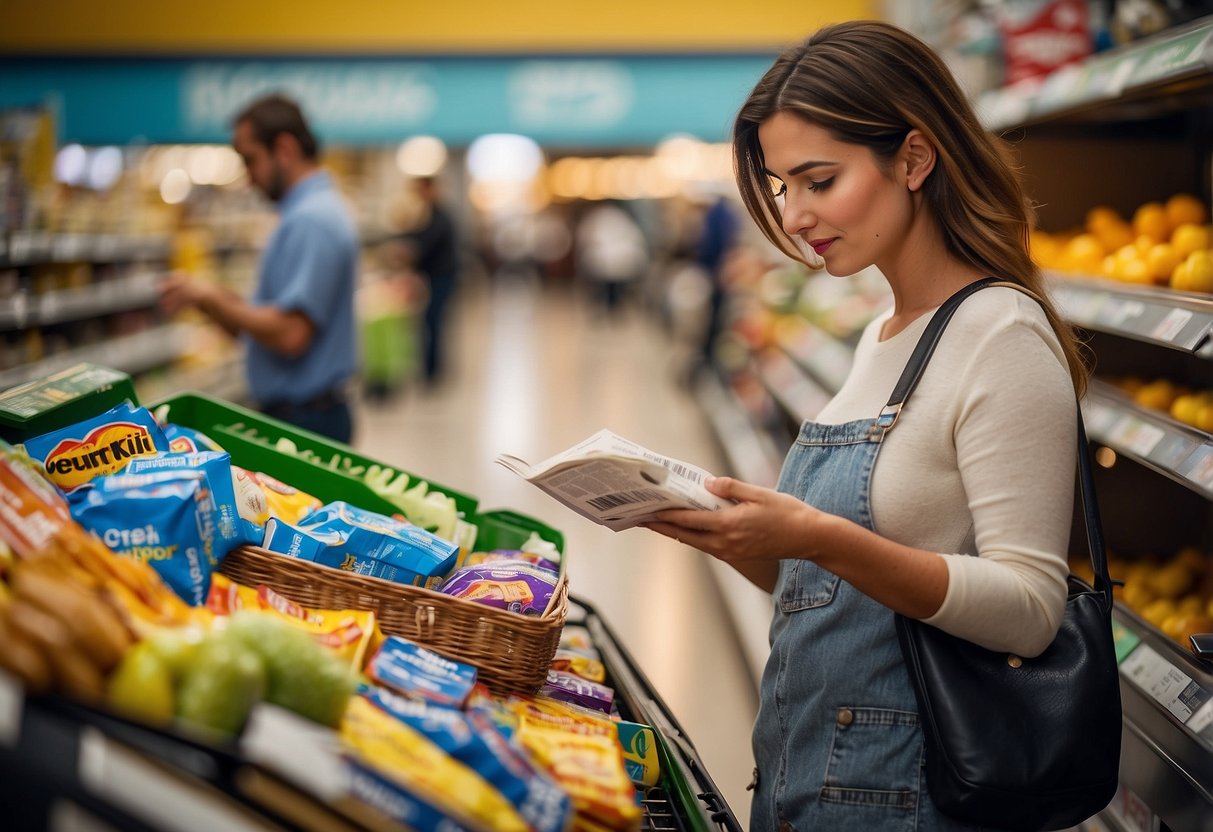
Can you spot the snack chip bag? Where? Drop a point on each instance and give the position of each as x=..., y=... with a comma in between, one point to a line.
x=183, y=440
x=590, y=768
x=351, y=634
x=288, y=504
x=233, y=527
x=414, y=671
x=507, y=585
x=73, y=456
x=473, y=740
x=348, y=538
x=167, y=519
x=396, y=769
x=570, y=661
x=569, y=688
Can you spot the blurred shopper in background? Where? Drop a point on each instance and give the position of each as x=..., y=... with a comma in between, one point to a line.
x=432, y=250
x=612, y=253
x=299, y=325
x=859, y=145
x=720, y=229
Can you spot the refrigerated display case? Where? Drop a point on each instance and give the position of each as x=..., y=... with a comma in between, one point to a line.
x=1145, y=112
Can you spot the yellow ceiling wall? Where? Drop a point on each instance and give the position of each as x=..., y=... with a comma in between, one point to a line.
x=394, y=26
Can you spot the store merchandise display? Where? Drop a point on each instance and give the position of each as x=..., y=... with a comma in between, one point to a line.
x=1127, y=262
x=124, y=621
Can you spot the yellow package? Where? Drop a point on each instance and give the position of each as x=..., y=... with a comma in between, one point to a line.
x=427, y=773
x=288, y=504
x=590, y=768
x=637, y=742
x=351, y=634
x=580, y=665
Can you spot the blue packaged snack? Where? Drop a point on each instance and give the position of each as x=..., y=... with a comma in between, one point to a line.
x=472, y=739
x=216, y=467
x=412, y=670
x=167, y=519
x=183, y=440
x=73, y=456
x=355, y=540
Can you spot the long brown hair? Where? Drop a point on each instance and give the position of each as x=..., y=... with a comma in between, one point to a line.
x=870, y=83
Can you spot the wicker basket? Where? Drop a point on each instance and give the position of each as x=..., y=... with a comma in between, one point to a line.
x=511, y=652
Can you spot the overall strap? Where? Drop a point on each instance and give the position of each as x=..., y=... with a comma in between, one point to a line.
x=1086, y=484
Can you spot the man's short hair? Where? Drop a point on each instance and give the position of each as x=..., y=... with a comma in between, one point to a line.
x=276, y=114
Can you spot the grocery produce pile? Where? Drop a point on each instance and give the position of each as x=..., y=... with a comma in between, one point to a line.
x=112, y=532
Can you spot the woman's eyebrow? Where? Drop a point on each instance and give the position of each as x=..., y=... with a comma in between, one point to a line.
x=803, y=166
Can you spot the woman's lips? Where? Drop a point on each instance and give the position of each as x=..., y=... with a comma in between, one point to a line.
x=820, y=246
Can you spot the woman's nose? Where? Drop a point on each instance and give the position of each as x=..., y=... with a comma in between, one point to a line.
x=796, y=217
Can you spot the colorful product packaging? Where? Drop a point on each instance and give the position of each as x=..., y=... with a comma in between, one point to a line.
x=288, y=504
x=414, y=671
x=511, y=555
x=183, y=440
x=351, y=634
x=73, y=456
x=348, y=538
x=590, y=768
x=570, y=688
x=166, y=519
x=473, y=740
x=396, y=769
x=507, y=585
x=570, y=661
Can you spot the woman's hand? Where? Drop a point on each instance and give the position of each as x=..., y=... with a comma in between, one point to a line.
x=764, y=525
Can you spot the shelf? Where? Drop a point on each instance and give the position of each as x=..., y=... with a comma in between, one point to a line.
x=749, y=451
x=26, y=248
x=791, y=386
x=826, y=358
x=1165, y=73
x=131, y=354
x=135, y=291
x=1167, y=700
x=1177, y=320
x=1149, y=437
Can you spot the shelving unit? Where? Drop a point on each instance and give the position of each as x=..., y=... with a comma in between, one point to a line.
x=1151, y=100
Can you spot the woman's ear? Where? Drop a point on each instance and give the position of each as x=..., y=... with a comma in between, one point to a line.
x=918, y=159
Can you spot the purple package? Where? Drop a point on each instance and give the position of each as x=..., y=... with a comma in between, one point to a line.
x=568, y=687
x=508, y=585
x=498, y=556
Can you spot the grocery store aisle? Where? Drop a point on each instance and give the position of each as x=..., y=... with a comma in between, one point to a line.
x=534, y=372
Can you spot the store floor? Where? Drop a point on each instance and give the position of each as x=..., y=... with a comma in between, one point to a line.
x=532, y=372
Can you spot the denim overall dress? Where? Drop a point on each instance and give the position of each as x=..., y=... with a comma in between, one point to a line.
x=837, y=742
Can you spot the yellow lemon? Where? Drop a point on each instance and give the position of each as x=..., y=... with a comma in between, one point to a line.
x=1204, y=418
x=1100, y=216
x=1162, y=260
x=1044, y=248
x=1150, y=220
x=1083, y=254
x=1190, y=237
x=1113, y=235
x=1182, y=208
x=1157, y=395
x=1185, y=408
x=1195, y=274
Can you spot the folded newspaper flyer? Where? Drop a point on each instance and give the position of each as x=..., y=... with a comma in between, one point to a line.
x=617, y=483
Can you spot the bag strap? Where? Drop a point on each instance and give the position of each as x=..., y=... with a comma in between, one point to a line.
x=913, y=371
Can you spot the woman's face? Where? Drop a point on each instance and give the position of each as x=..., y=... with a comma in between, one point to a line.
x=835, y=196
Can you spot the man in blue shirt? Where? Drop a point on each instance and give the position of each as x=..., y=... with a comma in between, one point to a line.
x=298, y=326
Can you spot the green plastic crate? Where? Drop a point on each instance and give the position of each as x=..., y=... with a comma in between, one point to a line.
x=496, y=529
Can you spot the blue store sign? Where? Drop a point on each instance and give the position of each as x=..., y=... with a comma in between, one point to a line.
x=582, y=102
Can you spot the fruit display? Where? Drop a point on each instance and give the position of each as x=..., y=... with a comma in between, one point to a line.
x=1182, y=403
x=1163, y=244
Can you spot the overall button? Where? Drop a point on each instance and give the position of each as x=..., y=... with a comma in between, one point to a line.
x=845, y=717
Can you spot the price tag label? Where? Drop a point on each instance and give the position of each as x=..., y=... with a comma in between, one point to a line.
x=1171, y=325
x=1199, y=467
x=1119, y=313
x=1165, y=683
x=1137, y=436
x=303, y=752
x=1099, y=417
x=1124, y=639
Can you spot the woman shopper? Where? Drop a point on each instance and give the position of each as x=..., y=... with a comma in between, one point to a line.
x=857, y=148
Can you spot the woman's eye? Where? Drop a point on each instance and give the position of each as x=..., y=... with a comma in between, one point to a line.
x=822, y=185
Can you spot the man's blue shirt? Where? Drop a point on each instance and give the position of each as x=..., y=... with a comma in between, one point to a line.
x=310, y=265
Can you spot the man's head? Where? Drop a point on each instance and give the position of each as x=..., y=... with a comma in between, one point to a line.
x=275, y=143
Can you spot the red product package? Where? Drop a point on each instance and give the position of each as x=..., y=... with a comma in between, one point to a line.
x=1041, y=35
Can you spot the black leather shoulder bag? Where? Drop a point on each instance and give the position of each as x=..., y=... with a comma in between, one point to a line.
x=1013, y=742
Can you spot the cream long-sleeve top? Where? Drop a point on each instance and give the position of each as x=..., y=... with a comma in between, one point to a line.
x=980, y=465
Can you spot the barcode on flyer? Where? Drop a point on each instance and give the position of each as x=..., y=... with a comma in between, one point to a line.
x=676, y=468
x=623, y=498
